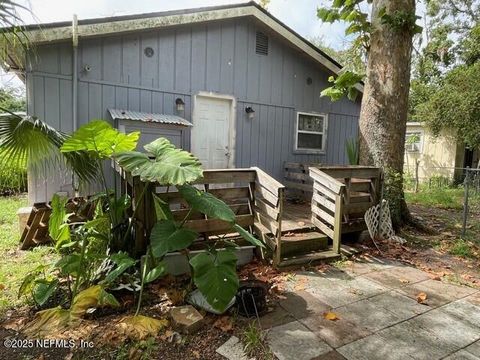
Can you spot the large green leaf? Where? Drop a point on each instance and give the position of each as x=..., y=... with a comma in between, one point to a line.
x=43, y=290
x=162, y=210
x=100, y=140
x=247, y=236
x=155, y=273
x=122, y=262
x=215, y=276
x=167, y=237
x=206, y=203
x=165, y=165
x=58, y=228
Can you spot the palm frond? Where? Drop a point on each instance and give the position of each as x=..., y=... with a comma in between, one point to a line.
x=29, y=142
x=13, y=37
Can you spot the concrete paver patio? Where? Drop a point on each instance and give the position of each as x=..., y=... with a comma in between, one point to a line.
x=379, y=316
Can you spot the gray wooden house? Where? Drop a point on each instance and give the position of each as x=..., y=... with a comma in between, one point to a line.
x=230, y=83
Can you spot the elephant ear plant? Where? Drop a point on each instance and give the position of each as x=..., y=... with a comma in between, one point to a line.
x=103, y=242
x=214, y=272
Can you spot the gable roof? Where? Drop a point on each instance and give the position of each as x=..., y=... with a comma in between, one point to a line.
x=62, y=31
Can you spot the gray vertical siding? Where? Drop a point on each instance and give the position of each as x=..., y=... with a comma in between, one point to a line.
x=218, y=57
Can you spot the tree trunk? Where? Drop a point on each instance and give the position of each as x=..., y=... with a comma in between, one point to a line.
x=383, y=116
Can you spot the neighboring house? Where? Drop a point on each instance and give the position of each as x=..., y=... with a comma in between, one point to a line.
x=438, y=156
x=230, y=83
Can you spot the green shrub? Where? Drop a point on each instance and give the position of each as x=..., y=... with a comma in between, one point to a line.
x=13, y=180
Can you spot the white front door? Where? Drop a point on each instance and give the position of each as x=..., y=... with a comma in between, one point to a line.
x=211, y=131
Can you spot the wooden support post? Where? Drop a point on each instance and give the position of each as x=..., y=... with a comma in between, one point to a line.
x=337, y=228
x=278, y=250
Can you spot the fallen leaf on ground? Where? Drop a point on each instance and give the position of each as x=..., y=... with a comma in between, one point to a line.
x=140, y=327
x=2, y=287
x=224, y=323
x=331, y=316
x=196, y=354
x=421, y=298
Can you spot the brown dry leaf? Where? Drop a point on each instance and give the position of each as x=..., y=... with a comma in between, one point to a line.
x=224, y=323
x=404, y=281
x=330, y=316
x=140, y=327
x=421, y=298
x=2, y=287
x=176, y=297
x=196, y=354
x=301, y=284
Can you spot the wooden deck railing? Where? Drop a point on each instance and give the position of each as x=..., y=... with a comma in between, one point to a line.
x=341, y=195
x=253, y=195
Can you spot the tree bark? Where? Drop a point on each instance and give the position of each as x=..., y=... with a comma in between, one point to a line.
x=383, y=115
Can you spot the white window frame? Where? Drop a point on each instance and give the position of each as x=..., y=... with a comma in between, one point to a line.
x=420, y=142
x=324, y=134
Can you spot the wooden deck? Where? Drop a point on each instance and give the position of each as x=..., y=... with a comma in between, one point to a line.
x=296, y=217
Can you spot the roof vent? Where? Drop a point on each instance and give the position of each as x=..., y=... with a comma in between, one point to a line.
x=261, y=44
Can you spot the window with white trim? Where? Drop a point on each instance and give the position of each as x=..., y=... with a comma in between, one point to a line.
x=413, y=141
x=310, y=132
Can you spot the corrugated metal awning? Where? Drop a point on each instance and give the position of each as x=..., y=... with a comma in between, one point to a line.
x=148, y=117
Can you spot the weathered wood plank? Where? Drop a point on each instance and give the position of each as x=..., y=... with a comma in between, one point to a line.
x=323, y=201
x=351, y=172
x=227, y=176
x=326, y=180
x=323, y=214
x=268, y=222
x=322, y=190
x=230, y=193
x=262, y=193
x=337, y=228
x=215, y=225
x=325, y=229
x=263, y=207
x=267, y=181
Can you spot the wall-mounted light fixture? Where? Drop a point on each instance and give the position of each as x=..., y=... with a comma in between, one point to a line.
x=180, y=104
x=250, y=112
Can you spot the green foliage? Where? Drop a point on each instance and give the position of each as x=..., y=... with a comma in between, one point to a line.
x=440, y=197
x=29, y=142
x=167, y=236
x=162, y=163
x=455, y=105
x=343, y=84
x=349, y=11
x=469, y=47
x=58, y=228
x=400, y=20
x=11, y=100
x=13, y=40
x=216, y=277
x=353, y=151
x=122, y=262
x=461, y=248
x=100, y=140
x=207, y=204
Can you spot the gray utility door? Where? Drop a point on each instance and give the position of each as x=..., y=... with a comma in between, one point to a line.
x=212, y=124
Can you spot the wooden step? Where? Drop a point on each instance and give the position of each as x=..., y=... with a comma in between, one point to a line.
x=327, y=255
x=303, y=242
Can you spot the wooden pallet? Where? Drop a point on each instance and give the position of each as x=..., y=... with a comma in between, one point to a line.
x=36, y=229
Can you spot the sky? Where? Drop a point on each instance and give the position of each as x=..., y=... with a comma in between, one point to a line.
x=300, y=15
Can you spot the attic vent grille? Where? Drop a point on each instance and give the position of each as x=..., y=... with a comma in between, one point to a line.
x=261, y=44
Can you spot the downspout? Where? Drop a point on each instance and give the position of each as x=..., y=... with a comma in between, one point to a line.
x=74, y=71
x=75, y=183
